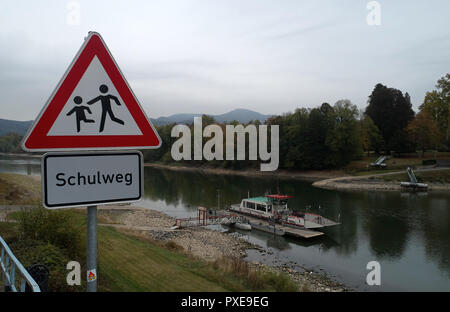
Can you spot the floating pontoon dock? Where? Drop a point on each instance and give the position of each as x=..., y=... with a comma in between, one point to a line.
x=281, y=230
x=204, y=218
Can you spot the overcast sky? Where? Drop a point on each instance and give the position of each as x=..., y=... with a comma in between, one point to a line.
x=212, y=56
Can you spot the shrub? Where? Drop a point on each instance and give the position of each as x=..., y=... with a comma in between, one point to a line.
x=167, y=158
x=52, y=238
x=38, y=252
x=280, y=281
x=428, y=162
x=54, y=227
x=255, y=279
x=171, y=245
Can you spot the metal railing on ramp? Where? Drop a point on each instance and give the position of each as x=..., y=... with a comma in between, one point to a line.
x=11, y=267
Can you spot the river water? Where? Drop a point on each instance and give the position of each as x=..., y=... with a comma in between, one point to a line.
x=408, y=234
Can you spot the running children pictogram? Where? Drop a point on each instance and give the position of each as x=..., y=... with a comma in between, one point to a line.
x=92, y=108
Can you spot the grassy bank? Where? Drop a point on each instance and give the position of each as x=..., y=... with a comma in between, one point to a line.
x=137, y=264
x=441, y=176
x=18, y=189
x=362, y=166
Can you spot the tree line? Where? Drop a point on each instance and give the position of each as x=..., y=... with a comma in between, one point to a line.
x=10, y=143
x=330, y=136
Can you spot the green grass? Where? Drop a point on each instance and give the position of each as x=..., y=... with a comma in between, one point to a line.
x=362, y=166
x=131, y=264
x=375, y=171
x=441, y=176
x=8, y=231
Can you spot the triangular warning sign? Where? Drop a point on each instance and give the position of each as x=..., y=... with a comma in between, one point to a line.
x=92, y=108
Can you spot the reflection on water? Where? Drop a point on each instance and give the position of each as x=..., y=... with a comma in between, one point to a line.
x=409, y=234
x=22, y=165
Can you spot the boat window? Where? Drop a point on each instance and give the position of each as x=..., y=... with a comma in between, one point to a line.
x=250, y=205
x=269, y=208
x=261, y=207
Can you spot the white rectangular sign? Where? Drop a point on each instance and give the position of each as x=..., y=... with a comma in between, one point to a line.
x=83, y=179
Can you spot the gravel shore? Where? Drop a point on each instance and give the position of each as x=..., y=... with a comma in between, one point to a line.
x=375, y=182
x=206, y=244
x=357, y=183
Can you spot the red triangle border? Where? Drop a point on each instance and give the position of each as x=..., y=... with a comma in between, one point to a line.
x=37, y=139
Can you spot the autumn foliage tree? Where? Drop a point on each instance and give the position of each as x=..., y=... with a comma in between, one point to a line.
x=371, y=138
x=424, y=132
x=437, y=105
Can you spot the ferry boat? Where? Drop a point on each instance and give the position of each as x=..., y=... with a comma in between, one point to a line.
x=274, y=209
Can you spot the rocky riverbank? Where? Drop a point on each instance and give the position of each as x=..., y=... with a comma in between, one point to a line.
x=206, y=244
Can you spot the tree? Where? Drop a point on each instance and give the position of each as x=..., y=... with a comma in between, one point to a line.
x=424, y=132
x=207, y=120
x=10, y=143
x=319, y=123
x=437, y=104
x=371, y=138
x=343, y=139
x=293, y=138
x=391, y=111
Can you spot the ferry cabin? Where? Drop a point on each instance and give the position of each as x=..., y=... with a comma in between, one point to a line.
x=262, y=207
x=275, y=207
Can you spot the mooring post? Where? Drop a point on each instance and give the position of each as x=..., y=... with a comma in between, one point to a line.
x=91, y=261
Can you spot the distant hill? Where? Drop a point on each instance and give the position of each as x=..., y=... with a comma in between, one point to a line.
x=19, y=127
x=241, y=115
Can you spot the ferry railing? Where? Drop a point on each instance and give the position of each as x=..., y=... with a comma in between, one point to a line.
x=309, y=216
x=209, y=220
x=10, y=266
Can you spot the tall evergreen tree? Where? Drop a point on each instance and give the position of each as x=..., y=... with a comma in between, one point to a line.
x=391, y=111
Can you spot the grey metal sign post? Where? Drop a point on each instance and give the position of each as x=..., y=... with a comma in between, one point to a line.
x=88, y=179
x=91, y=260
x=91, y=178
